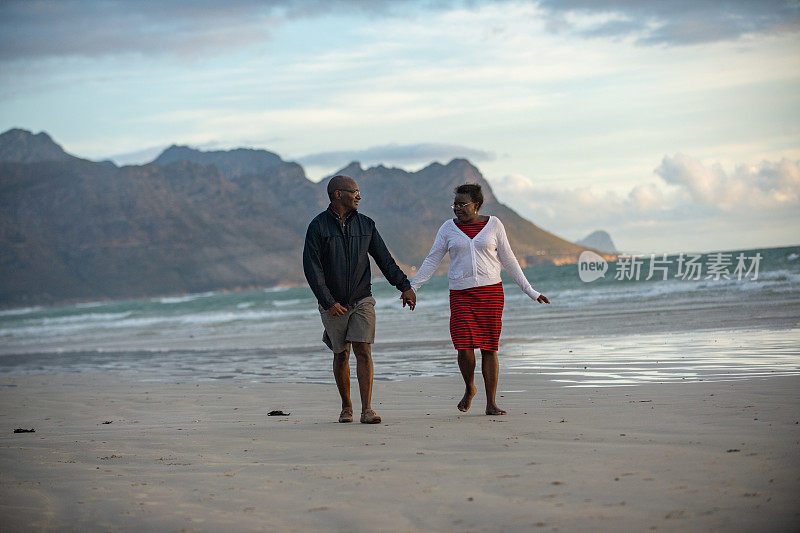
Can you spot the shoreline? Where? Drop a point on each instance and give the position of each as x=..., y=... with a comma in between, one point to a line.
x=611, y=360
x=204, y=456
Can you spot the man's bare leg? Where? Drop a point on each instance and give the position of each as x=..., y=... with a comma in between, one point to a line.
x=341, y=372
x=363, y=353
x=490, y=368
x=466, y=362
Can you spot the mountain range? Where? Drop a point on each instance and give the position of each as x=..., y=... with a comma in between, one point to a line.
x=193, y=221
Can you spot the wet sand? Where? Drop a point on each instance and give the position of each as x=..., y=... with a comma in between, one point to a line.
x=708, y=456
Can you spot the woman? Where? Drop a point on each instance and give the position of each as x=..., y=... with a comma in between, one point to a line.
x=478, y=246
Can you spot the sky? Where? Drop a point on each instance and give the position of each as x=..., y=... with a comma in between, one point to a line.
x=674, y=125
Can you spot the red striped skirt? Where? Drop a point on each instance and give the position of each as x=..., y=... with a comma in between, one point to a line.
x=476, y=317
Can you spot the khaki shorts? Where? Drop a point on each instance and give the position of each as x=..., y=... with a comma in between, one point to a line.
x=356, y=325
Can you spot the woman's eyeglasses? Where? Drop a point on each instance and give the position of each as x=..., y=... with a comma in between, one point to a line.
x=460, y=206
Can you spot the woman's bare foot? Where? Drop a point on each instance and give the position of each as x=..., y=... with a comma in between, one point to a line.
x=466, y=401
x=494, y=410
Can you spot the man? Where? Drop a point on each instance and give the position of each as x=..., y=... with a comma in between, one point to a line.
x=336, y=266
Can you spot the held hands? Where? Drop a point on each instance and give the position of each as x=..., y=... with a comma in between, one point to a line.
x=337, y=309
x=409, y=297
x=542, y=299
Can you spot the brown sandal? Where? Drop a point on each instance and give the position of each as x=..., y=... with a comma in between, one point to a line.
x=369, y=417
x=346, y=415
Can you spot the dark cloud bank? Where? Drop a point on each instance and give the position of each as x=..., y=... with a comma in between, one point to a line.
x=678, y=22
x=31, y=29
x=399, y=154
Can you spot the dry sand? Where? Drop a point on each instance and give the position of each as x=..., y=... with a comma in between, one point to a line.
x=205, y=457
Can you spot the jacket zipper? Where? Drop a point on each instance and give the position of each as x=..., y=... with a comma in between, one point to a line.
x=346, y=258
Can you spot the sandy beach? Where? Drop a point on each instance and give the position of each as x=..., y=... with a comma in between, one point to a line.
x=114, y=454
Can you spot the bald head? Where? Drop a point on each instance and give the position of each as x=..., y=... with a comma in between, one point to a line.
x=338, y=183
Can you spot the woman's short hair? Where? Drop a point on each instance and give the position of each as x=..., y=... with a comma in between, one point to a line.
x=473, y=190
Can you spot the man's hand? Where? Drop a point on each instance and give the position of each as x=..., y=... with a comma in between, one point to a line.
x=337, y=309
x=542, y=299
x=409, y=297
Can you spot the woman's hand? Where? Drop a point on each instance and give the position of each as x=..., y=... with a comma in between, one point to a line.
x=542, y=299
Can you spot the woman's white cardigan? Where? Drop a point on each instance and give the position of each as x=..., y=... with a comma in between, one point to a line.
x=473, y=262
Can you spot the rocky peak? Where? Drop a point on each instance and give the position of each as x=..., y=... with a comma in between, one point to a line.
x=22, y=146
x=352, y=170
x=232, y=163
x=600, y=241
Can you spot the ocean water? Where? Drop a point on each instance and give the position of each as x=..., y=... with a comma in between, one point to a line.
x=616, y=330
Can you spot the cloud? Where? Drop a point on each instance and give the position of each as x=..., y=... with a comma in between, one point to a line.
x=692, y=203
x=400, y=154
x=766, y=185
x=37, y=29
x=579, y=207
x=138, y=157
x=672, y=22
x=31, y=29
x=687, y=184
x=647, y=197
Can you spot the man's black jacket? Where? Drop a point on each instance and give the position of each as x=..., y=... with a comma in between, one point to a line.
x=335, y=258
